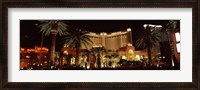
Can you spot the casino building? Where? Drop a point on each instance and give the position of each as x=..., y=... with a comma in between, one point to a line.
x=116, y=43
x=119, y=43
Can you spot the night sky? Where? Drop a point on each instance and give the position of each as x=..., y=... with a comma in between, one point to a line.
x=30, y=35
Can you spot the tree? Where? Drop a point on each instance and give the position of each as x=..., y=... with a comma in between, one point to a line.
x=98, y=51
x=112, y=58
x=76, y=38
x=168, y=29
x=53, y=27
x=147, y=40
x=87, y=54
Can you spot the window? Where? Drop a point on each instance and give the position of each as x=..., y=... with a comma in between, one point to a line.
x=178, y=46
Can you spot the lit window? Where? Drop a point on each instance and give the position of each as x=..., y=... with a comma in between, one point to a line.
x=177, y=35
x=178, y=46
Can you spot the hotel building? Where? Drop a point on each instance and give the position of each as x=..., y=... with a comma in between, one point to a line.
x=119, y=42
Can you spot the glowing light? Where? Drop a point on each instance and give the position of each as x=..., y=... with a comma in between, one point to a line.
x=52, y=67
x=129, y=44
x=88, y=67
x=145, y=25
x=27, y=56
x=30, y=50
x=123, y=57
x=158, y=26
x=141, y=57
x=151, y=25
x=103, y=33
x=81, y=58
x=128, y=29
x=65, y=45
x=113, y=66
x=102, y=65
x=173, y=63
x=137, y=57
x=22, y=49
x=65, y=52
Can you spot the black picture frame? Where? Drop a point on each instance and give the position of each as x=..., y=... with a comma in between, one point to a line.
x=194, y=4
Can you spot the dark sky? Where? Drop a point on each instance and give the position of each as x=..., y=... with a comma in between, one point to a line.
x=30, y=35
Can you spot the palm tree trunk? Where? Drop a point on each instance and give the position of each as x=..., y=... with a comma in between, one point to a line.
x=77, y=57
x=99, y=61
x=171, y=57
x=94, y=61
x=88, y=59
x=53, y=44
x=61, y=59
x=149, y=55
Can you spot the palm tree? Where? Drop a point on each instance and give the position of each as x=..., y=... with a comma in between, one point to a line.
x=111, y=58
x=168, y=29
x=87, y=54
x=98, y=51
x=53, y=27
x=148, y=39
x=76, y=38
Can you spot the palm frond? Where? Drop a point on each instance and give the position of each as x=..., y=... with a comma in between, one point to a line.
x=148, y=37
x=46, y=26
x=77, y=38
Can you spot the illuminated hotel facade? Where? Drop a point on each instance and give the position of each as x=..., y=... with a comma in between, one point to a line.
x=110, y=41
x=119, y=42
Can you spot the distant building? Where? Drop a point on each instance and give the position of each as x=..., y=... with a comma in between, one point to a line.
x=30, y=56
